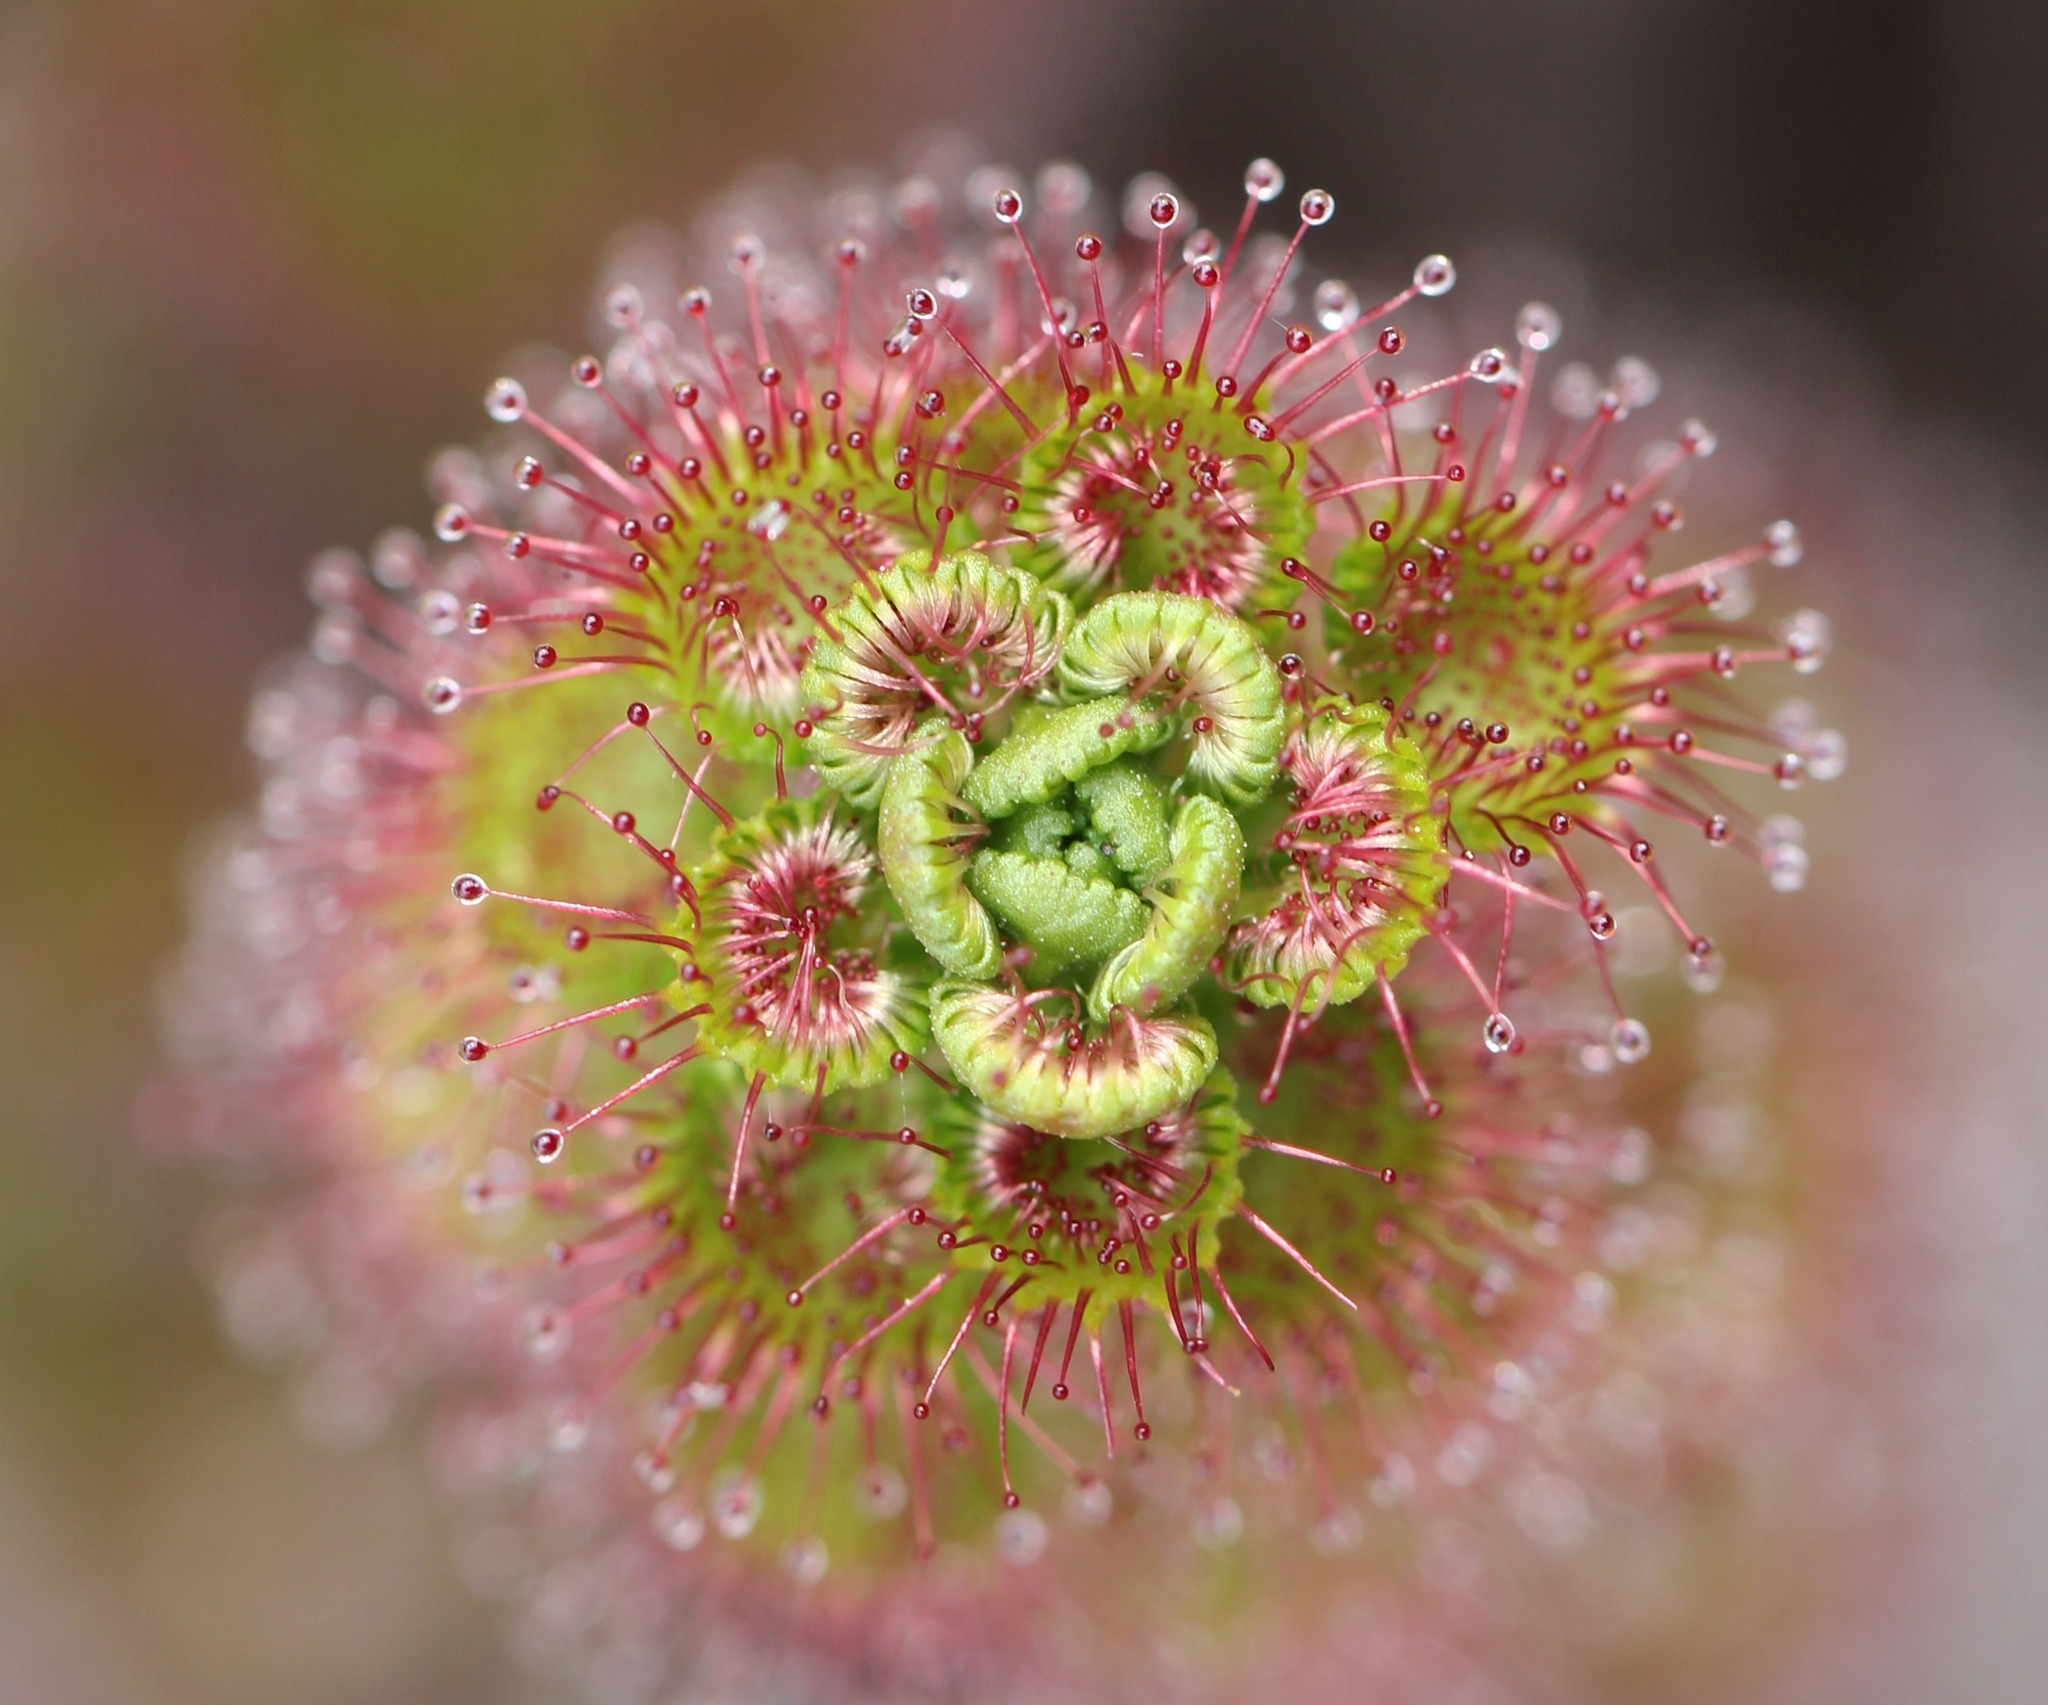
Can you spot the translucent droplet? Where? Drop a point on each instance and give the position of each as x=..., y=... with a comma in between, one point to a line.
x=547, y=1335
x=1552, y=1511
x=1698, y=438
x=1139, y=195
x=678, y=1523
x=1318, y=207
x=1782, y=830
x=1263, y=180
x=505, y=401
x=1808, y=637
x=568, y=1432
x=1465, y=1455
x=1063, y=187
x=451, y=522
x=1538, y=326
x=805, y=1561
x=398, y=559
x=331, y=578
x=1434, y=275
x=770, y=520
x=735, y=1502
x=1575, y=392
x=440, y=612
x=1785, y=544
x=1635, y=381
x=1340, y=1530
x=1218, y=1522
x=1827, y=754
x=1628, y=1162
x=1088, y=1503
x=654, y=1471
x=1021, y=1537
x=1793, y=721
x=622, y=306
x=1394, y=1484
x=1499, y=1033
x=1630, y=1040
x=1490, y=365
x=1704, y=972
x=1593, y=1300
x=1787, y=866
x=1336, y=305
x=883, y=1493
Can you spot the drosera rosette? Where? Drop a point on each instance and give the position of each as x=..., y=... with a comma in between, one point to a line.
x=965, y=1014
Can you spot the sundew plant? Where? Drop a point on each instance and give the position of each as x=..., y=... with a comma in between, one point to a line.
x=957, y=927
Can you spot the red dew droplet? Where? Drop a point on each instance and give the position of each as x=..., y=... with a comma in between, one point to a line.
x=622, y=822
x=1361, y=621
x=1088, y=246
x=899, y=1061
x=473, y=1048
x=1391, y=341
x=576, y=938
x=544, y=656
x=592, y=624
x=545, y=799
x=638, y=714
x=468, y=889
x=548, y=1144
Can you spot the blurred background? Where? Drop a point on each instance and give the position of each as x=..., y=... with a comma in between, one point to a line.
x=258, y=258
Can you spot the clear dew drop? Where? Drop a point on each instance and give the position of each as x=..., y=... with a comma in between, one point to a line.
x=1808, y=637
x=654, y=1471
x=1434, y=275
x=439, y=612
x=735, y=1502
x=451, y=522
x=1630, y=1040
x=1635, y=381
x=1140, y=196
x=1021, y=1537
x=1699, y=438
x=883, y=1493
x=678, y=1523
x=805, y=1561
x=1263, y=180
x=1318, y=207
x=1490, y=366
x=1341, y=1530
x=623, y=307
x=1218, y=1522
x=1088, y=1503
x=1336, y=305
x=505, y=401
x=547, y=1335
x=1787, y=866
x=1575, y=392
x=1784, y=543
x=331, y=578
x=1538, y=326
x=1063, y=187
x=568, y=1431
x=1498, y=1033
x=1826, y=753
x=1704, y=972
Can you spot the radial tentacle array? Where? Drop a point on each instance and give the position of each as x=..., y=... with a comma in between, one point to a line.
x=1023, y=833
